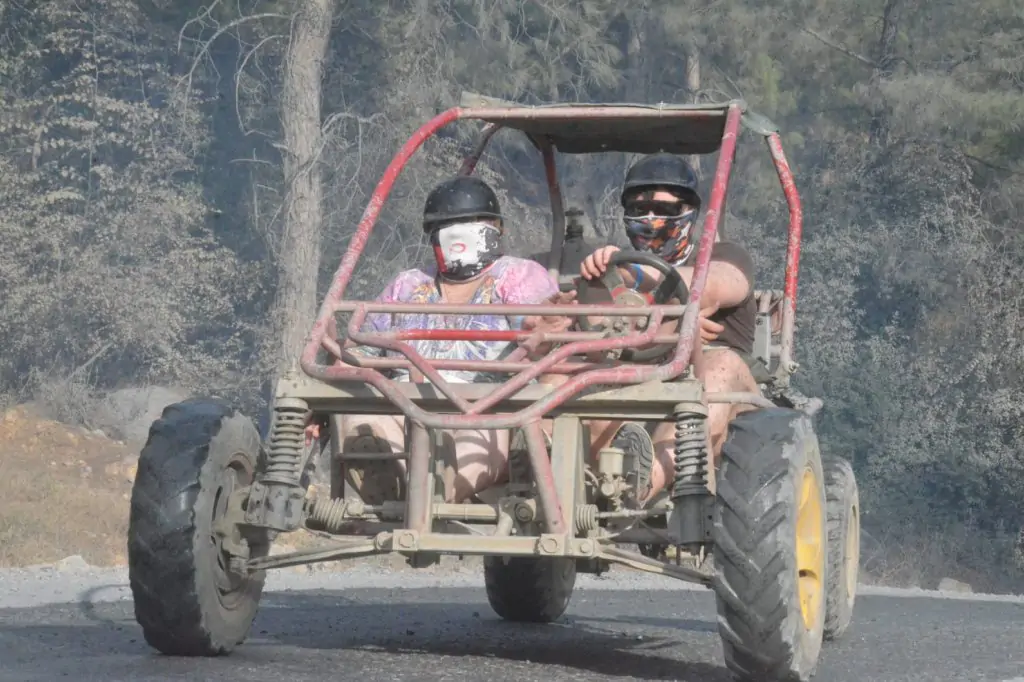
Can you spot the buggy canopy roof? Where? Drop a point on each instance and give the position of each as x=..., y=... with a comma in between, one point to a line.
x=634, y=128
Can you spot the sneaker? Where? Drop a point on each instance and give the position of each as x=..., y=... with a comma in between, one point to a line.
x=633, y=439
x=375, y=481
x=520, y=474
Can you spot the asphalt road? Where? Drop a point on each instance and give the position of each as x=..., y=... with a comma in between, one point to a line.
x=339, y=626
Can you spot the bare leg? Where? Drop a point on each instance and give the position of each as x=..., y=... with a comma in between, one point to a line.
x=722, y=370
x=482, y=456
x=482, y=461
x=602, y=432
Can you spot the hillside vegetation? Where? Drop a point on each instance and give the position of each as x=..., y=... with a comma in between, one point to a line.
x=179, y=179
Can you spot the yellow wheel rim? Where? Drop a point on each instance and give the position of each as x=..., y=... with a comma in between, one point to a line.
x=810, y=549
x=852, y=551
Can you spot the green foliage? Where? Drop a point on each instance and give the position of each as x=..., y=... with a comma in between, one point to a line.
x=107, y=260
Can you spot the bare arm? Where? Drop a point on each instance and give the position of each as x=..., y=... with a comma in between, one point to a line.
x=533, y=284
x=729, y=280
x=726, y=284
x=550, y=324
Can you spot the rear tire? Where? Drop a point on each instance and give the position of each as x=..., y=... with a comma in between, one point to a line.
x=843, y=545
x=186, y=600
x=770, y=547
x=528, y=589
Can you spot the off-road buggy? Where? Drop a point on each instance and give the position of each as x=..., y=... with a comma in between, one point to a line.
x=773, y=531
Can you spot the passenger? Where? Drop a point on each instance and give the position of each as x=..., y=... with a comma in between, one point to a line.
x=661, y=204
x=463, y=221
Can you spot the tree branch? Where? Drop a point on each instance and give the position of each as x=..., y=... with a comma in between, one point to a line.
x=238, y=80
x=840, y=48
x=93, y=358
x=221, y=31
x=202, y=15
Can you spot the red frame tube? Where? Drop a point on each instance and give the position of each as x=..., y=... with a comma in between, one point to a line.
x=796, y=219
x=469, y=163
x=557, y=209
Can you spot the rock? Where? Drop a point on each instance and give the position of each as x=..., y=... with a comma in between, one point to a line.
x=128, y=413
x=72, y=563
x=126, y=468
x=282, y=548
x=950, y=585
x=318, y=490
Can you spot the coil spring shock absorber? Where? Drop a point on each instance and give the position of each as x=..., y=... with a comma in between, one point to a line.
x=276, y=498
x=284, y=456
x=691, y=454
x=689, y=487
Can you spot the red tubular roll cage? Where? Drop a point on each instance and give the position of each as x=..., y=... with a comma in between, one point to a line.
x=574, y=129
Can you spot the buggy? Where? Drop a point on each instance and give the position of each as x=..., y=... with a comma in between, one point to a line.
x=773, y=531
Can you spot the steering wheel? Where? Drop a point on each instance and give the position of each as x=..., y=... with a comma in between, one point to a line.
x=672, y=285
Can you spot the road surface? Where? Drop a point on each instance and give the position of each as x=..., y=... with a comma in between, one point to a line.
x=373, y=625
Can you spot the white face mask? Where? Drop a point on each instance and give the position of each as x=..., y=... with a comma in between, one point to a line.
x=463, y=250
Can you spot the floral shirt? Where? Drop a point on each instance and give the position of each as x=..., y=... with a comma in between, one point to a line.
x=509, y=280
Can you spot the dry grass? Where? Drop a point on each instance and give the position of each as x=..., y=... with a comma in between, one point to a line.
x=64, y=491
x=901, y=557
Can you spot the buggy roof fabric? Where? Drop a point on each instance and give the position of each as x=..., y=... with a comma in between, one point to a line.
x=594, y=128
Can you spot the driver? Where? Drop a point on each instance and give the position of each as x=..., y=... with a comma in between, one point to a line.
x=660, y=208
x=463, y=221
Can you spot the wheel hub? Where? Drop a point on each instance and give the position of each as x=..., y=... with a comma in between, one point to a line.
x=236, y=473
x=810, y=549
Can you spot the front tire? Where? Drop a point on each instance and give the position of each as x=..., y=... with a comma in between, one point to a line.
x=186, y=600
x=770, y=547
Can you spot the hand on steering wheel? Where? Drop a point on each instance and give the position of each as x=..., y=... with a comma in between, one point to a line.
x=672, y=286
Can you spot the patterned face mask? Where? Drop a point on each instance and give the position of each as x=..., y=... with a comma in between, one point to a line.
x=667, y=237
x=464, y=250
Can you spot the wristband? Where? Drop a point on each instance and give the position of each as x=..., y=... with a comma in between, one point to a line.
x=638, y=274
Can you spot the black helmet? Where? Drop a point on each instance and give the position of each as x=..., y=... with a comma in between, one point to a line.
x=665, y=170
x=463, y=196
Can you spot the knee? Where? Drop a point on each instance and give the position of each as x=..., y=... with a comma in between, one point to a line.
x=719, y=415
x=602, y=431
x=725, y=370
x=387, y=427
x=480, y=446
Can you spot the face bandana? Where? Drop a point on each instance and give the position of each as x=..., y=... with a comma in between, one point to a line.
x=464, y=250
x=667, y=237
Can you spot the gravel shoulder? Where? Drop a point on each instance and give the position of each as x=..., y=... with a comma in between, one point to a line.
x=72, y=581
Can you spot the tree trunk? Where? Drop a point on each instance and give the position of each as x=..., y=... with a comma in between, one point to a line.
x=879, y=129
x=693, y=90
x=636, y=42
x=299, y=263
